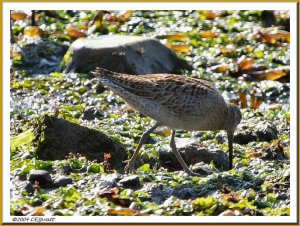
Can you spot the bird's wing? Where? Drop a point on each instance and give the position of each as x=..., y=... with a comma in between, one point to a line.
x=176, y=94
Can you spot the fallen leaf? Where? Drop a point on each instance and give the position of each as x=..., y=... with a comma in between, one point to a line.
x=176, y=37
x=126, y=15
x=122, y=212
x=18, y=16
x=33, y=31
x=179, y=48
x=243, y=100
x=235, y=101
x=255, y=101
x=272, y=37
x=75, y=32
x=245, y=63
x=271, y=74
x=208, y=34
x=220, y=68
x=210, y=15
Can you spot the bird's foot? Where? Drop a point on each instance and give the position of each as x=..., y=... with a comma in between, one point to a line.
x=191, y=173
x=129, y=168
x=195, y=174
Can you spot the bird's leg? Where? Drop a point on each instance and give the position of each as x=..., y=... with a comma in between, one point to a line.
x=230, y=149
x=178, y=156
x=130, y=163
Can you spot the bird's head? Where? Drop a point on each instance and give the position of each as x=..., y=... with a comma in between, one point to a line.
x=234, y=117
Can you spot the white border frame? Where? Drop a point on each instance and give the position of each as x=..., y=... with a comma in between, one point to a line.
x=7, y=6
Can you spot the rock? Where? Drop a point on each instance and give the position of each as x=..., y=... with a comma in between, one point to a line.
x=192, y=154
x=91, y=113
x=125, y=54
x=130, y=181
x=62, y=137
x=282, y=196
x=244, y=137
x=274, y=152
x=184, y=193
x=202, y=169
x=41, y=176
x=262, y=131
x=266, y=132
x=111, y=180
x=28, y=187
x=63, y=181
x=41, y=56
x=37, y=202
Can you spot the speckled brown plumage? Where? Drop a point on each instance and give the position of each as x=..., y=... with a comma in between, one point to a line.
x=175, y=101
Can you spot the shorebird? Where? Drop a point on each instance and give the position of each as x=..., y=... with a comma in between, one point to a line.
x=175, y=101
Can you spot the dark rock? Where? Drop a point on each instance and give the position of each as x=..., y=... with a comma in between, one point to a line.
x=266, y=132
x=192, y=154
x=274, y=152
x=62, y=137
x=184, y=193
x=202, y=169
x=38, y=202
x=41, y=56
x=282, y=196
x=261, y=132
x=130, y=181
x=91, y=113
x=243, y=137
x=125, y=54
x=67, y=169
x=28, y=187
x=63, y=181
x=41, y=176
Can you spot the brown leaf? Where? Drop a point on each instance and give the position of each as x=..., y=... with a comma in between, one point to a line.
x=210, y=15
x=39, y=211
x=235, y=101
x=272, y=37
x=220, y=68
x=33, y=31
x=18, y=16
x=122, y=212
x=285, y=35
x=179, y=48
x=255, y=101
x=229, y=49
x=271, y=74
x=252, y=154
x=243, y=100
x=245, y=63
x=232, y=197
x=75, y=32
x=176, y=37
x=126, y=15
x=208, y=34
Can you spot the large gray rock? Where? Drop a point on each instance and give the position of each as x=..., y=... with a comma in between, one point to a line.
x=125, y=54
x=62, y=137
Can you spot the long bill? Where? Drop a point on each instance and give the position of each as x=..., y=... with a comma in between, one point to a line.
x=230, y=149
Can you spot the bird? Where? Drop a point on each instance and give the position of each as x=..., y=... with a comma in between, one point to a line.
x=176, y=101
